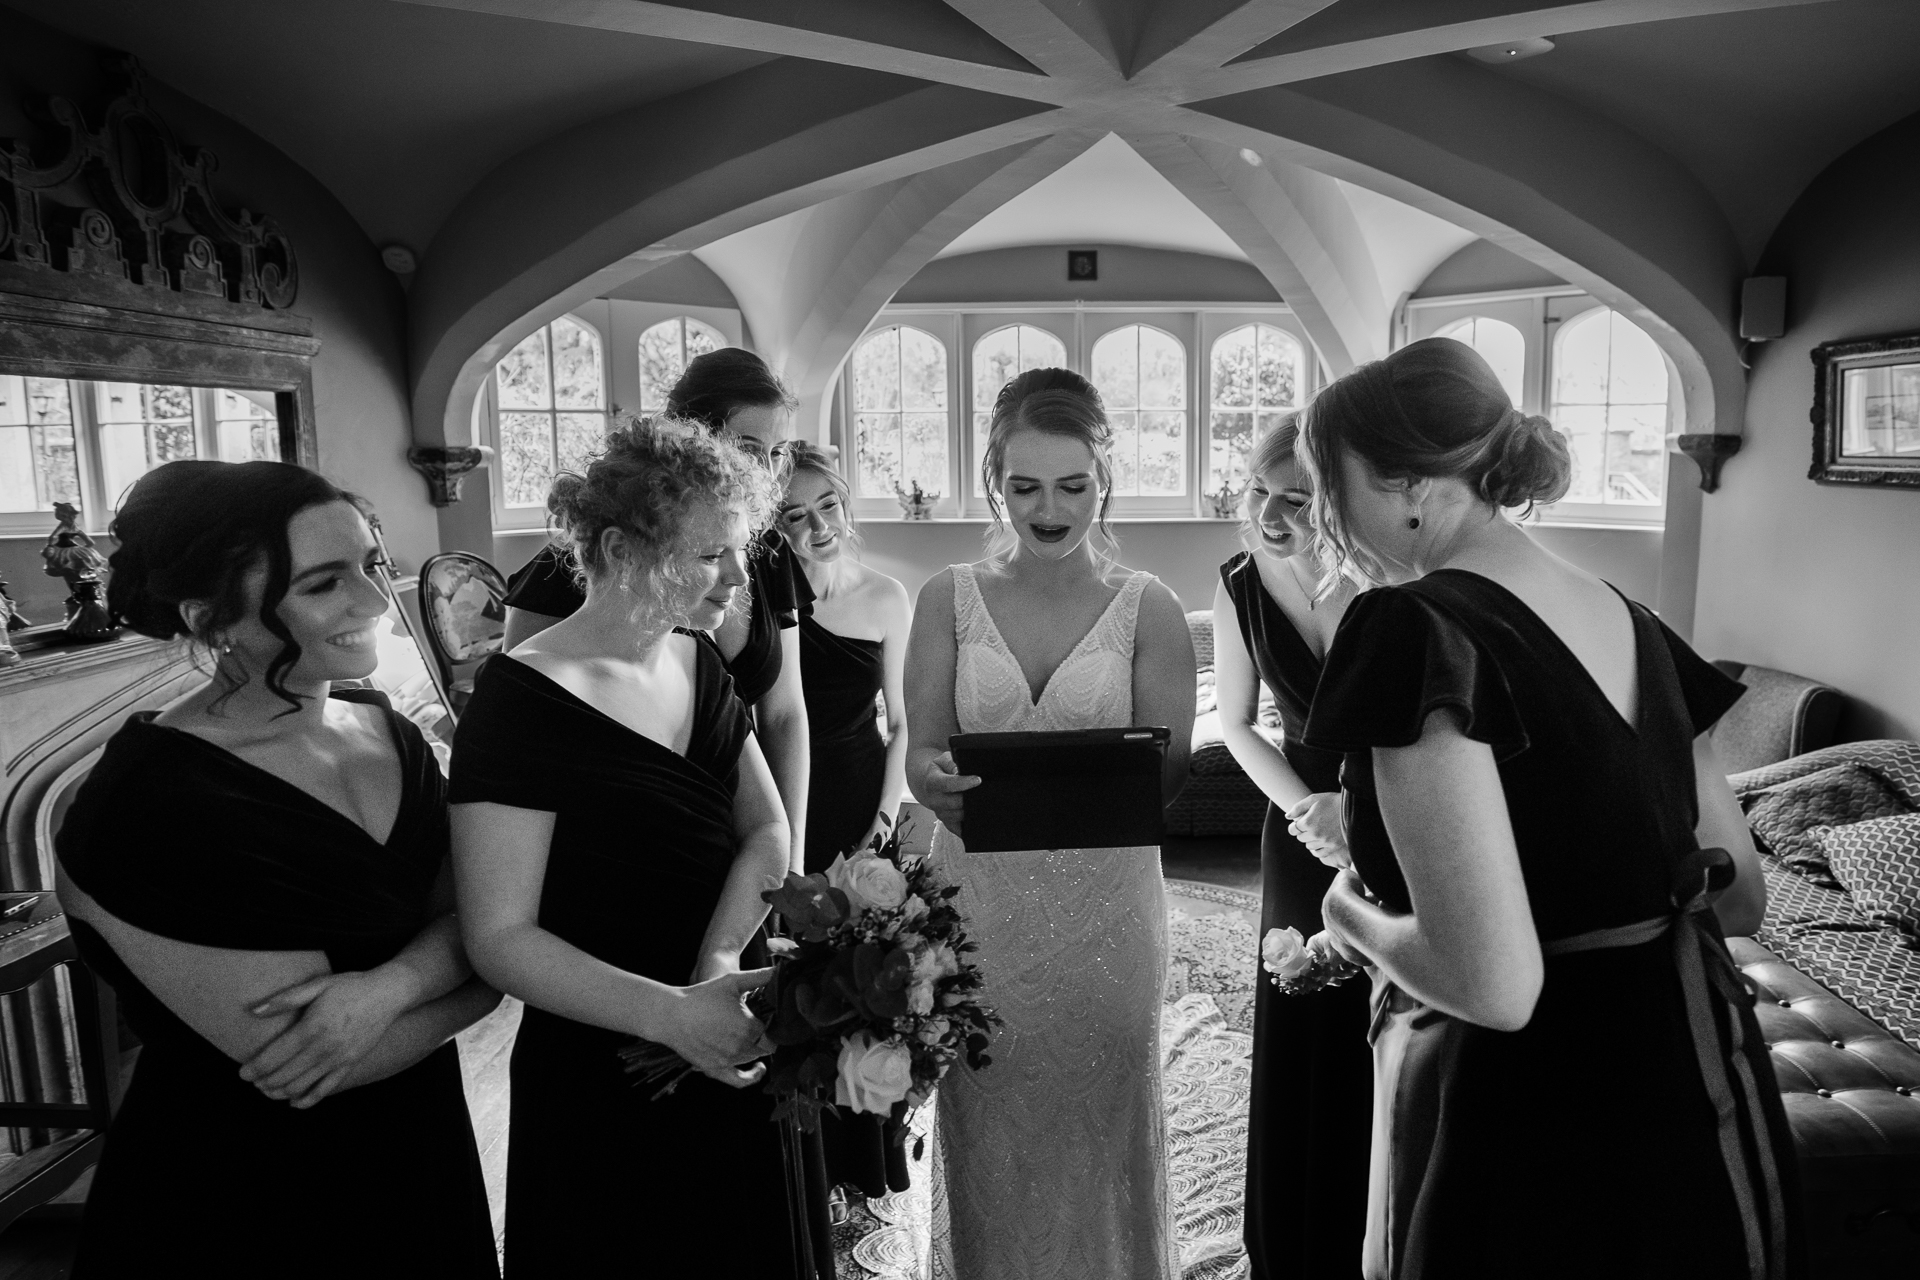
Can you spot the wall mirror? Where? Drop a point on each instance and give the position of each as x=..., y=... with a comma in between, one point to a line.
x=1866, y=412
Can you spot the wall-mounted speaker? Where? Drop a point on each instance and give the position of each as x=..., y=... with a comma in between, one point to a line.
x=1763, y=308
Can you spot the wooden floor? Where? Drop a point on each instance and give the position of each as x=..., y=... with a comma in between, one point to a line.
x=40, y=1245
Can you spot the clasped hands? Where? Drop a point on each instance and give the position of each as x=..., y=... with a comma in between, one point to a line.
x=339, y=1018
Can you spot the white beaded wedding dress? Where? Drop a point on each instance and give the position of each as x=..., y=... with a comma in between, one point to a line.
x=1052, y=1162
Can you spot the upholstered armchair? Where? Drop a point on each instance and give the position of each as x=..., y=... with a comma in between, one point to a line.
x=1781, y=716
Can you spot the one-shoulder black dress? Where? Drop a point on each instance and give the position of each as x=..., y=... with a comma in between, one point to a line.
x=601, y=1180
x=202, y=1172
x=840, y=677
x=1311, y=1108
x=1633, y=1127
x=778, y=594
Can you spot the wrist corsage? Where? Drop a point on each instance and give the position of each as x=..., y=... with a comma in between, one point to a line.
x=1297, y=966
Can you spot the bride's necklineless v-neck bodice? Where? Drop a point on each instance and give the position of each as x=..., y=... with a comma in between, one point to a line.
x=1091, y=689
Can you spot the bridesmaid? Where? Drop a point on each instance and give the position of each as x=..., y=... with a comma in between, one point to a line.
x=1312, y=1101
x=614, y=826
x=260, y=871
x=733, y=394
x=1576, y=1083
x=852, y=647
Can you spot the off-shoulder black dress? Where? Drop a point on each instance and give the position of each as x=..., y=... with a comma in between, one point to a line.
x=778, y=594
x=1633, y=1127
x=1311, y=1109
x=202, y=1172
x=601, y=1180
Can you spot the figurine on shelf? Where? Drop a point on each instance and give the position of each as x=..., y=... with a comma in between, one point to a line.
x=916, y=502
x=1226, y=501
x=11, y=619
x=70, y=554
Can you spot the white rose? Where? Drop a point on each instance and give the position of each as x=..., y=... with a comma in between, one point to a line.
x=873, y=1074
x=868, y=881
x=916, y=906
x=946, y=964
x=1284, y=954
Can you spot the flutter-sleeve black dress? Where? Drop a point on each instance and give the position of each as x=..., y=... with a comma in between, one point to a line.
x=778, y=594
x=1633, y=1127
x=601, y=1179
x=203, y=1173
x=1311, y=1107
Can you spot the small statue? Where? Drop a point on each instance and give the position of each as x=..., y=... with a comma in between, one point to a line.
x=70, y=554
x=11, y=619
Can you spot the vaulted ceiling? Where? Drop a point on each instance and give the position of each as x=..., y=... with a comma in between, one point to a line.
x=539, y=152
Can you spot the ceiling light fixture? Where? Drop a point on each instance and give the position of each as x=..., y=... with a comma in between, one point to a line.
x=1511, y=50
x=1251, y=156
x=399, y=259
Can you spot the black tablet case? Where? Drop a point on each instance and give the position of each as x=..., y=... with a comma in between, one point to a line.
x=1064, y=789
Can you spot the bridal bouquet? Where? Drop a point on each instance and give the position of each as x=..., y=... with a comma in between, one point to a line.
x=872, y=999
x=1298, y=966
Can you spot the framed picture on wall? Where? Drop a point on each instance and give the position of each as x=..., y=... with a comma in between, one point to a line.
x=1866, y=411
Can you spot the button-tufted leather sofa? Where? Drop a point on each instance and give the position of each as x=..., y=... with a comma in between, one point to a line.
x=1851, y=1086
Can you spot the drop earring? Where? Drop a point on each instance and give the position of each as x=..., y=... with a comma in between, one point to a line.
x=1413, y=522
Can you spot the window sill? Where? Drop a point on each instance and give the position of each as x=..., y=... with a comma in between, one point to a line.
x=1633, y=526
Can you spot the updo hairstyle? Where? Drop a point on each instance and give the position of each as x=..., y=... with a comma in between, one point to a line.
x=1433, y=409
x=1058, y=402
x=805, y=456
x=649, y=480
x=720, y=383
x=193, y=530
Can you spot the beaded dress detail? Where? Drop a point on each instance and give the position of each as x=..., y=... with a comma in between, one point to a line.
x=1052, y=1162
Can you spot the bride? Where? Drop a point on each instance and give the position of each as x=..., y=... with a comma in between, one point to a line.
x=1054, y=1157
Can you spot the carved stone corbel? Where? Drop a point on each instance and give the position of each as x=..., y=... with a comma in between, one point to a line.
x=1709, y=451
x=444, y=467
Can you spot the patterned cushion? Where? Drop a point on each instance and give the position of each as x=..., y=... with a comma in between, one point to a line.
x=1782, y=815
x=1821, y=933
x=1879, y=863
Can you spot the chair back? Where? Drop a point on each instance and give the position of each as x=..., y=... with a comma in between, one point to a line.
x=1780, y=716
x=463, y=613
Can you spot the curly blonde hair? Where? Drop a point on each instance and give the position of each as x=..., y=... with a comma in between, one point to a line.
x=650, y=480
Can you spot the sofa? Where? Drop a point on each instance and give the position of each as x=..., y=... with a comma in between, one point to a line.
x=1836, y=970
x=1219, y=798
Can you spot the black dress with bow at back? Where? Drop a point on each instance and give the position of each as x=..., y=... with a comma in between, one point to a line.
x=1311, y=1109
x=778, y=591
x=1586, y=1144
x=179, y=837
x=601, y=1179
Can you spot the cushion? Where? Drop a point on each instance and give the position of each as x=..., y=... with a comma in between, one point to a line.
x=1879, y=863
x=1782, y=816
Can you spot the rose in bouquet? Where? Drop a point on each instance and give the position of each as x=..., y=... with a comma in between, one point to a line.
x=873, y=999
x=1297, y=966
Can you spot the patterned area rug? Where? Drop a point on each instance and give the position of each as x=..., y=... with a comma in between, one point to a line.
x=1206, y=1039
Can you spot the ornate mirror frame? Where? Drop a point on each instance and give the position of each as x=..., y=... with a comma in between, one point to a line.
x=1832, y=361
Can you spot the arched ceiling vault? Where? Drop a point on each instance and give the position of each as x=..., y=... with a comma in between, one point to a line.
x=887, y=127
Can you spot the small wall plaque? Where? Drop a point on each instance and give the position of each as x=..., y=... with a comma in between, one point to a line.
x=1083, y=264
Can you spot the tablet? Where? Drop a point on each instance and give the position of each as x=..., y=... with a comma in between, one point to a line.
x=1062, y=789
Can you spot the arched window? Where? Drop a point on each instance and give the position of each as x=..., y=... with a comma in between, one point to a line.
x=552, y=402
x=1141, y=374
x=1258, y=374
x=1499, y=344
x=1610, y=399
x=665, y=351
x=1000, y=357
x=899, y=412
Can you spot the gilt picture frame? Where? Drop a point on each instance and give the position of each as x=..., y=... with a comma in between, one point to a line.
x=1866, y=412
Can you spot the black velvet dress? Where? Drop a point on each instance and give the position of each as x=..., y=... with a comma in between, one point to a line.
x=1588, y=1143
x=778, y=594
x=1311, y=1108
x=601, y=1180
x=840, y=677
x=202, y=1173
